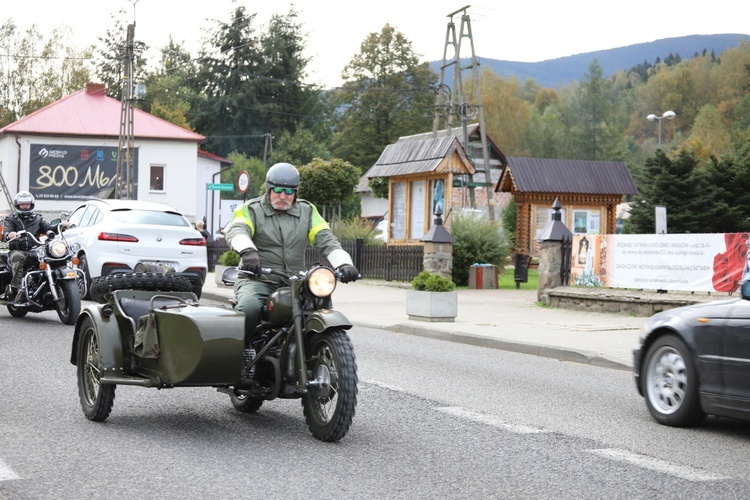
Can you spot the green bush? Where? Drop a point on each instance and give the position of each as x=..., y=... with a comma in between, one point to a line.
x=478, y=241
x=229, y=258
x=430, y=282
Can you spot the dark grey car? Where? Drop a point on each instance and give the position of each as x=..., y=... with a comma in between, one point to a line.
x=695, y=360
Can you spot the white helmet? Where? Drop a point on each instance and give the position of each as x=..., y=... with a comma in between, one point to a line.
x=24, y=197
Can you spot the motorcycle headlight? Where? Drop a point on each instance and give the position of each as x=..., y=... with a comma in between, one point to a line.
x=321, y=282
x=58, y=249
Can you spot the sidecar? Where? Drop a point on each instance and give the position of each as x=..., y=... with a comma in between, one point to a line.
x=154, y=339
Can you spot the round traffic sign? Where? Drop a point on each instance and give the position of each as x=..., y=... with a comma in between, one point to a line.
x=243, y=181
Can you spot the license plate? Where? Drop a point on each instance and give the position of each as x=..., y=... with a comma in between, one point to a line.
x=149, y=266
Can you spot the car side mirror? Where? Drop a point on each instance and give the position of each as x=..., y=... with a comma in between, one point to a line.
x=745, y=290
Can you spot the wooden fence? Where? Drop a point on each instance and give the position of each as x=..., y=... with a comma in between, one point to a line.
x=384, y=262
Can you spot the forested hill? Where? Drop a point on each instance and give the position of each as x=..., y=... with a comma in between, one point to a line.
x=558, y=72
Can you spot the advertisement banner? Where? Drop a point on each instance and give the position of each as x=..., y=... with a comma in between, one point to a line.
x=685, y=262
x=65, y=172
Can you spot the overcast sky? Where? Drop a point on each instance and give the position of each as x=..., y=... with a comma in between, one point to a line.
x=514, y=31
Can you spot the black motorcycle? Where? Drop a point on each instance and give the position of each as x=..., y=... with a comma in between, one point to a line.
x=50, y=278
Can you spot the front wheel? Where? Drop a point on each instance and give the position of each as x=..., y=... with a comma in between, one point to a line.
x=670, y=383
x=84, y=284
x=68, y=301
x=96, y=398
x=332, y=392
x=17, y=312
x=244, y=403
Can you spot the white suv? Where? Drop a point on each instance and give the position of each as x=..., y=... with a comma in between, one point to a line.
x=125, y=236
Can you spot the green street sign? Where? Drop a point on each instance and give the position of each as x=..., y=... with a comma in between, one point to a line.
x=217, y=186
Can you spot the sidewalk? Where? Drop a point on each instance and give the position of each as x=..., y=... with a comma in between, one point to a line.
x=503, y=319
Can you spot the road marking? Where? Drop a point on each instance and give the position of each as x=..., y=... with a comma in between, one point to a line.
x=6, y=473
x=654, y=464
x=462, y=412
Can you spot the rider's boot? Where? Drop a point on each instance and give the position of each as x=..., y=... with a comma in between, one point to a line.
x=9, y=293
x=20, y=296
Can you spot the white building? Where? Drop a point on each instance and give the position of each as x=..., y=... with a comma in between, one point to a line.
x=67, y=151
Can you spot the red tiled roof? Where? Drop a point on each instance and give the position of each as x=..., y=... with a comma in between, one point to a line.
x=90, y=112
x=205, y=154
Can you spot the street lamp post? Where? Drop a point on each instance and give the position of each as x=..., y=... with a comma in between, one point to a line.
x=669, y=115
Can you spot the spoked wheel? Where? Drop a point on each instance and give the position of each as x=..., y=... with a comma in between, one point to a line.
x=96, y=398
x=68, y=301
x=670, y=383
x=244, y=403
x=332, y=392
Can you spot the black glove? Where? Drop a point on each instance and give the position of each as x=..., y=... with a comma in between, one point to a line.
x=250, y=261
x=348, y=273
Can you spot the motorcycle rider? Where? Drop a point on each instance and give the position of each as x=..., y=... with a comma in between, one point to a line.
x=275, y=229
x=24, y=218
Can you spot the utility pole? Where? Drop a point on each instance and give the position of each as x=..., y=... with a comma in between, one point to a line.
x=458, y=104
x=125, y=181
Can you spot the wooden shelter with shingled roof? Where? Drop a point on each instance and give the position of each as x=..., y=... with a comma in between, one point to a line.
x=589, y=192
x=420, y=175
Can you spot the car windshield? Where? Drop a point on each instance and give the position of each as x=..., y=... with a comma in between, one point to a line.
x=149, y=217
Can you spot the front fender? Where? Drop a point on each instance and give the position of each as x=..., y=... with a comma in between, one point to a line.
x=108, y=334
x=320, y=321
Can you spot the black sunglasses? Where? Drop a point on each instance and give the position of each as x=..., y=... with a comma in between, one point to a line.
x=288, y=191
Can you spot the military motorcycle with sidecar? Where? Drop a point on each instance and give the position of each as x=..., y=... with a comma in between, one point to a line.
x=167, y=339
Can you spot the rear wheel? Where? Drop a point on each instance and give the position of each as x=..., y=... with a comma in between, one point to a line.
x=96, y=398
x=102, y=286
x=670, y=383
x=332, y=392
x=68, y=301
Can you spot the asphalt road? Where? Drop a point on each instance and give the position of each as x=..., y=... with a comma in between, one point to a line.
x=435, y=419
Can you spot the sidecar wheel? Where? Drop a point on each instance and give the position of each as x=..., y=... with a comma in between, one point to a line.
x=69, y=303
x=102, y=286
x=332, y=395
x=96, y=398
x=245, y=403
x=17, y=312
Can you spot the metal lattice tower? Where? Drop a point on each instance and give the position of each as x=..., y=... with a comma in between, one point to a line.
x=457, y=106
x=11, y=206
x=125, y=180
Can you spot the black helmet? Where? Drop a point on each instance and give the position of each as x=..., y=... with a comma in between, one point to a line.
x=282, y=175
x=24, y=197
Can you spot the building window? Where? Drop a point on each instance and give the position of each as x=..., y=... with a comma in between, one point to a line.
x=157, y=178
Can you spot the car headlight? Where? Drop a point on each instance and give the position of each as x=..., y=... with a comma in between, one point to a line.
x=321, y=282
x=58, y=249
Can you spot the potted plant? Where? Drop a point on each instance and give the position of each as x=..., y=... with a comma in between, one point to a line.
x=230, y=258
x=432, y=298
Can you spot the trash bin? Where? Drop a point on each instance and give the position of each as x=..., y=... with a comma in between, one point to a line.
x=521, y=274
x=483, y=277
